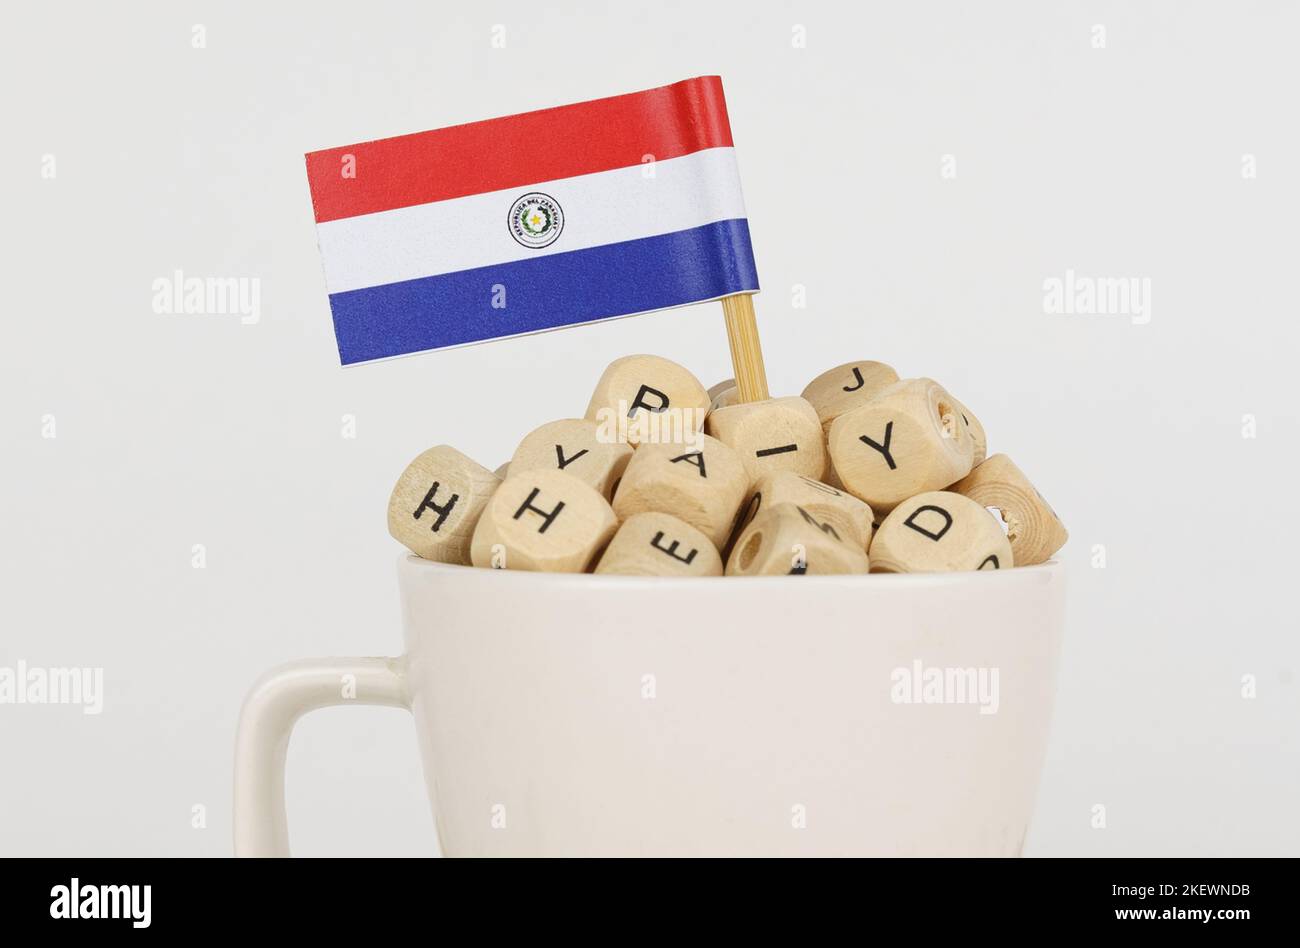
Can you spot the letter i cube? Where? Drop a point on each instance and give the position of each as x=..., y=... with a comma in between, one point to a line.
x=779, y=434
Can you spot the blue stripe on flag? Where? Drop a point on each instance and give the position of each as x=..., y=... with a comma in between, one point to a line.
x=561, y=289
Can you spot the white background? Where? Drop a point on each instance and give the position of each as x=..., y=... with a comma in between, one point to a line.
x=1122, y=161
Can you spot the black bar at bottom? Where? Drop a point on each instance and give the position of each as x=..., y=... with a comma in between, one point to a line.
x=1226, y=897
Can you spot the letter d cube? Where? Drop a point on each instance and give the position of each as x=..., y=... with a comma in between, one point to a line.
x=939, y=532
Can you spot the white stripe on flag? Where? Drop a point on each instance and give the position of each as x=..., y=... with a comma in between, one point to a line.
x=464, y=233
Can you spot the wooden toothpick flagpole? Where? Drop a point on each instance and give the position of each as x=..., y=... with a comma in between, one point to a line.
x=746, y=352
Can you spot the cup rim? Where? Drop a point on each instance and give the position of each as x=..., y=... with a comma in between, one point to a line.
x=1040, y=572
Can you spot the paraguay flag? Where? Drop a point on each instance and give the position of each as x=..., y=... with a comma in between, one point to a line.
x=531, y=222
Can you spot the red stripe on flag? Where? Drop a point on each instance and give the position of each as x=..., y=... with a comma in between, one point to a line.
x=518, y=150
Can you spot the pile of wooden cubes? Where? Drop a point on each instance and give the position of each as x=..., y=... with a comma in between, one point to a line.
x=863, y=472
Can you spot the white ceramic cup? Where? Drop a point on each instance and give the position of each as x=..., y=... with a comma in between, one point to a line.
x=583, y=715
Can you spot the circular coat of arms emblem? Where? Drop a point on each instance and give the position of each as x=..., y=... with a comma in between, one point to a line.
x=535, y=220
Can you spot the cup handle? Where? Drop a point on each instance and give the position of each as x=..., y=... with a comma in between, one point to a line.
x=273, y=706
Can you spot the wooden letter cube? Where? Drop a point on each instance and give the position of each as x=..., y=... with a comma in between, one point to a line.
x=576, y=447
x=702, y=484
x=723, y=394
x=779, y=434
x=939, y=532
x=437, y=502
x=979, y=441
x=1033, y=529
x=644, y=398
x=788, y=540
x=847, y=386
x=849, y=517
x=545, y=521
x=658, y=544
x=906, y=440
